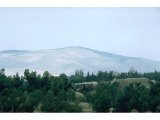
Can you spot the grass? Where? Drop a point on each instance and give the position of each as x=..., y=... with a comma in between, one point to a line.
x=86, y=107
x=126, y=82
x=87, y=83
x=80, y=97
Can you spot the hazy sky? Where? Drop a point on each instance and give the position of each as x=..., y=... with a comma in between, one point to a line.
x=125, y=31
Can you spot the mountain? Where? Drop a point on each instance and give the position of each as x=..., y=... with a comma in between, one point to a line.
x=68, y=59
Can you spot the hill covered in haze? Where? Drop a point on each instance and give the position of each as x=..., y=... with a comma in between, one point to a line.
x=68, y=59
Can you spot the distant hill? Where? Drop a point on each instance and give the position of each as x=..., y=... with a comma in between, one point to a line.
x=67, y=60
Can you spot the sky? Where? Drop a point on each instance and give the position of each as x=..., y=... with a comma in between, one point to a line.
x=124, y=31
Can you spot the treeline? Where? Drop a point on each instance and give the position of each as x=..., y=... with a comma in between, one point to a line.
x=36, y=93
x=108, y=76
x=33, y=92
x=135, y=98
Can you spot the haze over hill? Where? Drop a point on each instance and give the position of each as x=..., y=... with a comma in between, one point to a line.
x=68, y=59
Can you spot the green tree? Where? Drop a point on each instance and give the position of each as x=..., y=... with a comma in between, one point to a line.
x=16, y=82
x=79, y=76
x=135, y=98
x=12, y=100
x=46, y=80
x=102, y=98
x=33, y=100
x=33, y=81
x=155, y=97
x=50, y=103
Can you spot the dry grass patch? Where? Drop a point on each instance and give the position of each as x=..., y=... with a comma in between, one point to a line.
x=86, y=107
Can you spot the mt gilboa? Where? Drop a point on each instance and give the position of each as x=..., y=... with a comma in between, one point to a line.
x=67, y=60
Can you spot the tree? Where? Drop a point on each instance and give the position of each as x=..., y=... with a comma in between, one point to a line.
x=46, y=80
x=16, y=82
x=79, y=76
x=100, y=75
x=12, y=100
x=32, y=80
x=102, y=98
x=49, y=104
x=88, y=77
x=110, y=76
x=33, y=100
x=5, y=82
x=135, y=97
x=2, y=72
x=154, y=97
x=132, y=73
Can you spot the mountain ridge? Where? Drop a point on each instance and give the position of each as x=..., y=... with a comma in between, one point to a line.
x=68, y=59
x=98, y=51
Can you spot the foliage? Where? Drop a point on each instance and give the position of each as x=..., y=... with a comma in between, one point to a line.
x=135, y=98
x=47, y=93
x=102, y=98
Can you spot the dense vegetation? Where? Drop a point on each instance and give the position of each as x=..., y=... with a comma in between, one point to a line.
x=101, y=92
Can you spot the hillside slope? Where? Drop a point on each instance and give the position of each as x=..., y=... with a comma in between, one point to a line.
x=67, y=60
